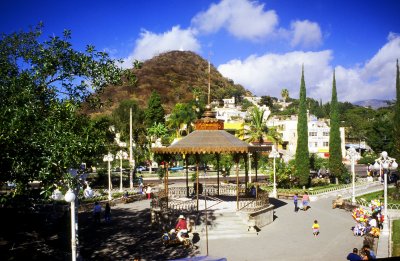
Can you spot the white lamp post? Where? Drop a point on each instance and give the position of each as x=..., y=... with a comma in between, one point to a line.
x=109, y=157
x=274, y=154
x=70, y=197
x=121, y=155
x=385, y=162
x=250, y=167
x=353, y=156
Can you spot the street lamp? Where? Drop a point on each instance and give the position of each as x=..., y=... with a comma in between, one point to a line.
x=121, y=155
x=384, y=162
x=353, y=156
x=274, y=154
x=70, y=197
x=249, y=167
x=109, y=157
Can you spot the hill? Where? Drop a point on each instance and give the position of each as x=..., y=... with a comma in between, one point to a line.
x=176, y=76
x=373, y=103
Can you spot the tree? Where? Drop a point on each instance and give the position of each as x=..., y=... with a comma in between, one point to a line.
x=42, y=86
x=285, y=94
x=120, y=119
x=335, y=148
x=302, y=155
x=267, y=101
x=258, y=127
x=396, y=118
x=155, y=112
x=182, y=114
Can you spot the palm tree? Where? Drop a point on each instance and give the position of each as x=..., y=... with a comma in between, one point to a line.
x=285, y=94
x=182, y=113
x=258, y=127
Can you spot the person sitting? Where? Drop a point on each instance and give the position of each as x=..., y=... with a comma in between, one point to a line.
x=339, y=201
x=354, y=255
x=181, y=227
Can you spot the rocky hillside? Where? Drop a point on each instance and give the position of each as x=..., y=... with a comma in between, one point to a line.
x=176, y=76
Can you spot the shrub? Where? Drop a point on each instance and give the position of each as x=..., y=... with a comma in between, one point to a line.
x=319, y=182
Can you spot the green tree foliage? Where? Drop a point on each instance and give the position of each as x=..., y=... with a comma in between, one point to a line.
x=42, y=85
x=182, y=113
x=268, y=101
x=120, y=119
x=257, y=127
x=246, y=104
x=396, y=118
x=302, y=155
x=155, y=112
x=285, y=94
x=335, y=151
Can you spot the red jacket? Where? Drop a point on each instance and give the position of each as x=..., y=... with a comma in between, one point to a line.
x=181, y=224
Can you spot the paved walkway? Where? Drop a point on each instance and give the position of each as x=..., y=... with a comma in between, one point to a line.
x=290, y=236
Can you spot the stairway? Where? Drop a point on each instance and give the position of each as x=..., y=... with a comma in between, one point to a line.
x=225, y=224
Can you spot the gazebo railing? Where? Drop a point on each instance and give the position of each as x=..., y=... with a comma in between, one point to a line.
x=254, y=204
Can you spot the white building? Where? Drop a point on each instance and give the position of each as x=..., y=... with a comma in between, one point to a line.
x=318, y=136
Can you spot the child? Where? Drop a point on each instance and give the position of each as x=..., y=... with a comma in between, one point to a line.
x=315, y=228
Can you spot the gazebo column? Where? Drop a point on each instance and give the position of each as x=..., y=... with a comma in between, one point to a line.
x=237, y=159
x=187, y=174
x=246, y=171
x=166, y=184
x=218, y=158
x=256, y=163
x=197, y=181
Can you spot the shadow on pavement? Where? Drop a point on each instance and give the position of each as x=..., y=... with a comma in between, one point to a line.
x=277, y=203
x=129, y=234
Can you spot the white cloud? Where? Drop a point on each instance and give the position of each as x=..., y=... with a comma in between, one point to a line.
x=270, y=73
x=305, y=34
x=241, y=18
x=150, y=44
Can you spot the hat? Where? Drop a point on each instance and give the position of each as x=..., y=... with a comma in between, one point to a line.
x=181, y=216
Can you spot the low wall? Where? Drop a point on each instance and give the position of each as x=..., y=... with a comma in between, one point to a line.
x=259, y=218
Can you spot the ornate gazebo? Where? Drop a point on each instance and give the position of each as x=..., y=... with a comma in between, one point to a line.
x=209, y=138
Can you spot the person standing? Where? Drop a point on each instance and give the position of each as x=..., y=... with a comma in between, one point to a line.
x=97, y=212
x=295, y=199
x=354, y=255
x=148, y=192
x=315, y=228
x=107, y=213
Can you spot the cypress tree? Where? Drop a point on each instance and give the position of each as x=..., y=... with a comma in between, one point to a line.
x=335, y=151
x=396, y=120
x=155, y=112
x=302, y=155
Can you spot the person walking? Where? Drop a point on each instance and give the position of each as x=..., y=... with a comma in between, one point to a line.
x=97, y=212
x=305, y=201
x=315, y=228
x=107, y=213
x=295, y=199
x=148, y=192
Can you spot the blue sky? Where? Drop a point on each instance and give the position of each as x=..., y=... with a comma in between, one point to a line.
x=259, y=44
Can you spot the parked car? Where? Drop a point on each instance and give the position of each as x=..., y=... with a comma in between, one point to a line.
x=201, y=167
x=176, y=168
x=140, y=168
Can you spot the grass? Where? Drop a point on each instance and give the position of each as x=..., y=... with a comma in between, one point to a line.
x=396, y=238
x=379, y=195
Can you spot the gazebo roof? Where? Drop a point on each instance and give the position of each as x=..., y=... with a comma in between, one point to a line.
x=209, y=141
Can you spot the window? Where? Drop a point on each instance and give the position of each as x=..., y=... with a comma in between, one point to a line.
x=326, y=144
x=325, y=133
x=312, y=133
